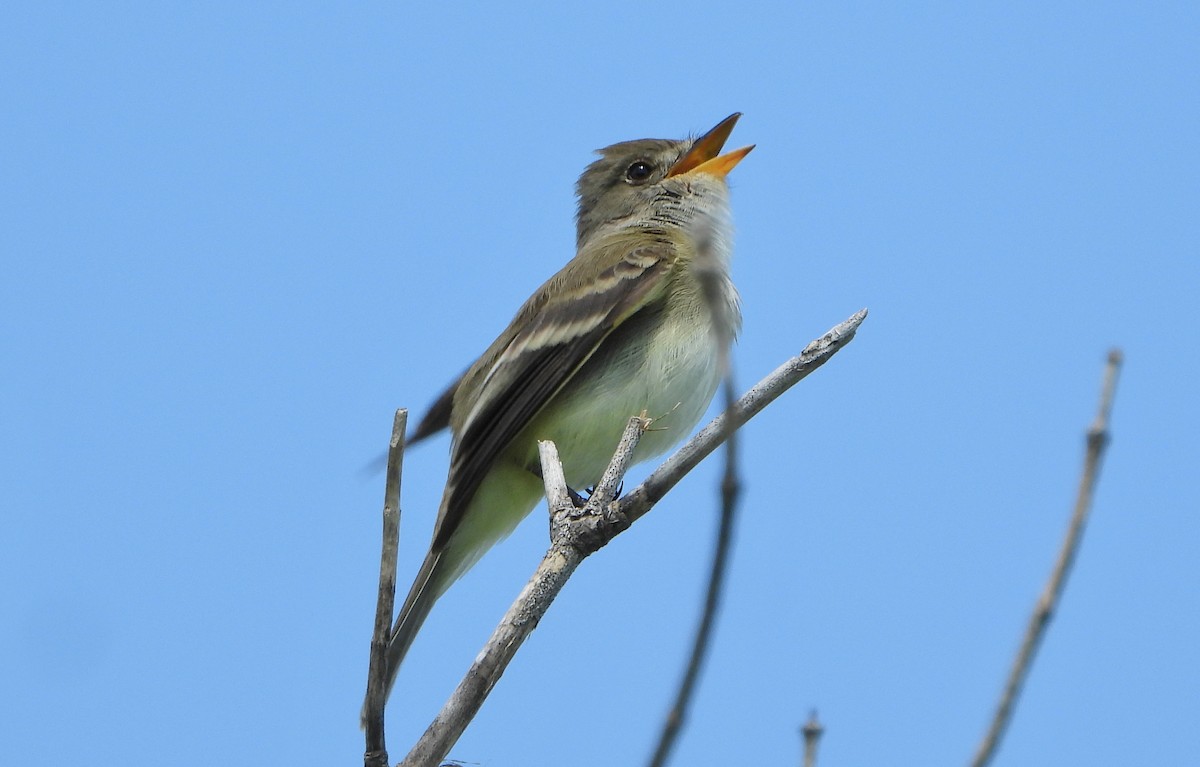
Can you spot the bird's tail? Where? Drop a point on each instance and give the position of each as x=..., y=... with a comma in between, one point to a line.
x=508, y=494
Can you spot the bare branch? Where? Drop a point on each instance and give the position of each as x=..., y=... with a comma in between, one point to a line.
x=1097, y=441
x=577, y=533
x=376, y=753
x=730, y=490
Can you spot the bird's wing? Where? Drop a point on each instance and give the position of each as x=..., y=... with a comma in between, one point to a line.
x=437, y=417
x=552, y=336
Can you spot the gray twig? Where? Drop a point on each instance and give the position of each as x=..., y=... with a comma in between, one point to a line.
x=376, y=753
x=1097, y=441
x=766, y=391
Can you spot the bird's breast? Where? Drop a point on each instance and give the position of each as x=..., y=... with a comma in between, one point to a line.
x=664, y=361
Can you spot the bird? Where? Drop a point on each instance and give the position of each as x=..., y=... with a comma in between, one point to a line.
x=640, y=321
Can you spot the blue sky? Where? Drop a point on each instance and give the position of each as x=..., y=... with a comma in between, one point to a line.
x=237, y=236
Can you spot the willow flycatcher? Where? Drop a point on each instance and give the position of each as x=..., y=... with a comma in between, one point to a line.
x=639, y=321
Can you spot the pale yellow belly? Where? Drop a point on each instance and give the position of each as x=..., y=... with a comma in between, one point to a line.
x=671, y=378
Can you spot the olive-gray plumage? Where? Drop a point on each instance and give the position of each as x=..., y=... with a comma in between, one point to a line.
x=639, y=321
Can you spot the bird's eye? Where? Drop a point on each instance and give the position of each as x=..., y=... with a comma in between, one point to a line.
x=639, y=172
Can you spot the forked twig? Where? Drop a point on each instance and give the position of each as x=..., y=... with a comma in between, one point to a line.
x=577, y=533
x=1097, y=441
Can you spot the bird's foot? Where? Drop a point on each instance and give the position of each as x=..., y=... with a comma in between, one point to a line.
x=591, y=490
x=578, y=499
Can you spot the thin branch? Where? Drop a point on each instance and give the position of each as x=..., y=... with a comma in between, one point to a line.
x=730, y=490
x=376, y=753
x=1097, y=441
x=812, y=732
x=577, y=533
x=766, y=391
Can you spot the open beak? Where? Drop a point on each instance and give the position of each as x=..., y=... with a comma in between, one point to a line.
x=705, y=156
